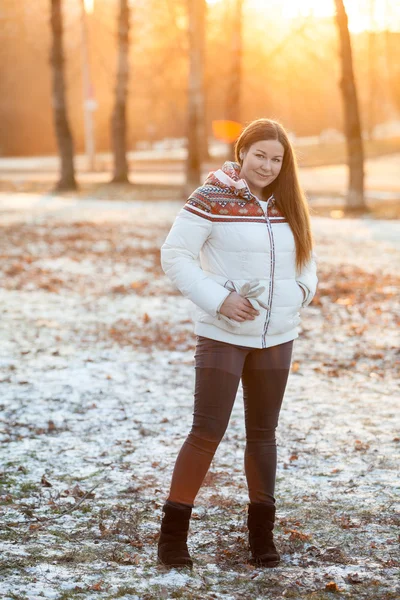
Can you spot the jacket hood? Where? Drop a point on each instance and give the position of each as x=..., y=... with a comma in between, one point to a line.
x=227, y=177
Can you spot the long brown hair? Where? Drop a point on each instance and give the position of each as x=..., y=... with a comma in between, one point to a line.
x=290, y=198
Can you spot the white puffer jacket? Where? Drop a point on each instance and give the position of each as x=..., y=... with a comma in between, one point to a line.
x=222, y=239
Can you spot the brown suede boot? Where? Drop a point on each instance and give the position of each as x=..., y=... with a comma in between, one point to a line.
x=260, y=521
x=172, y=548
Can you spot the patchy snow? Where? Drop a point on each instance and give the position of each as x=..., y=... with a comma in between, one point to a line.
x=97, y=378
x=381, y=173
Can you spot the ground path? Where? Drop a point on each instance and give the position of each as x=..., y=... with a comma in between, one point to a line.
x=382, y=179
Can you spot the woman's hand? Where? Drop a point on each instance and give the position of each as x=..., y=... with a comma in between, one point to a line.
x=238, y=308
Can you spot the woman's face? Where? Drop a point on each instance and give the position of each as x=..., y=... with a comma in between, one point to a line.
x=262, y=163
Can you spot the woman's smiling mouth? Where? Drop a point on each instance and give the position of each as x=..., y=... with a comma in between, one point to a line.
x=263, y=176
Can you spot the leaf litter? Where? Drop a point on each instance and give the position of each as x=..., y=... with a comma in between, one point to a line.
x=97, y=387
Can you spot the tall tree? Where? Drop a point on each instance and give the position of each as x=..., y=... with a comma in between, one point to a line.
x=372, y=78
x=233, y=104
x=63, y=133
x=355, y=150
x=118, y=120
x=196, y=104
x=392, y=51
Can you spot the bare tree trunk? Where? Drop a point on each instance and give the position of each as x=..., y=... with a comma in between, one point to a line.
x=118, y=121
x=392, y=50
x=355, y=150
x=372, y=46
x=196, y=133
x=233, y=107
x=88, y=96
x=63, y=132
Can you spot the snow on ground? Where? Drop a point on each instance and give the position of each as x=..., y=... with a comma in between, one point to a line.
x=97, y=378
x=381, y=173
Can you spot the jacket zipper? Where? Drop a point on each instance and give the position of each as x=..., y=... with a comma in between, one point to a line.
x=271, y=277
x=272, y=265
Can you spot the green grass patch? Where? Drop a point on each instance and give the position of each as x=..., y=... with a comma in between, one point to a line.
x=125, y=590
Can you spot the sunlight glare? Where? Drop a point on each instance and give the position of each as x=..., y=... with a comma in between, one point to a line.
x=359, y=11
x=89, y=5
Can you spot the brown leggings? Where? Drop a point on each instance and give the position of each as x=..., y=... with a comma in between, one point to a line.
x=219, y=367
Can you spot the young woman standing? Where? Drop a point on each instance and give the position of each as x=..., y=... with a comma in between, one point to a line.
x=242, y=250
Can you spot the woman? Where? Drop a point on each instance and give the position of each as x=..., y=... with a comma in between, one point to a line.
x=242, y=250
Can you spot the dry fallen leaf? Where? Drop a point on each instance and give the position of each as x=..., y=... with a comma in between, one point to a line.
x=77, y=492
x=331, y=586
x=353, y=578
x=297, y=535
x=361, y=446
x=346, y=523
x=97, y=587
x=44, y=482
x=130, y=559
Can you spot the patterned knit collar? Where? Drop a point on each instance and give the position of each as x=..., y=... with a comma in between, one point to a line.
x=228, y=177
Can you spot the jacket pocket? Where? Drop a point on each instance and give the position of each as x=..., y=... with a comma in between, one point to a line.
x=249, y=326
x=303, y=296
x=285, y=315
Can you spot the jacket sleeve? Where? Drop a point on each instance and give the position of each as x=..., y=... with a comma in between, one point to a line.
x=308, y=280
x=180, y=261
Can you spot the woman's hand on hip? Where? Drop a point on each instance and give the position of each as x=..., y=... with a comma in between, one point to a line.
x=238, y=308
